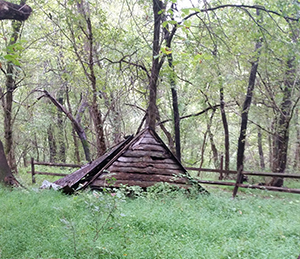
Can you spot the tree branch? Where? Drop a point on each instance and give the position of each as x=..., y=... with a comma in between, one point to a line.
x=194, y=114
x=242, y=6
x=10, y=11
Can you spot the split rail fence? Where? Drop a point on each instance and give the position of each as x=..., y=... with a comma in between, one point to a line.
x=236, y=184
x=34, y=172
x=220, y=171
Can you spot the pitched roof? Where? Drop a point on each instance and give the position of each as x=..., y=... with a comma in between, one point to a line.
x=83, y=174
x=143, y=160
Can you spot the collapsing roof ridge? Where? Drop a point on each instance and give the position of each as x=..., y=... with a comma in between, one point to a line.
x=142, y=160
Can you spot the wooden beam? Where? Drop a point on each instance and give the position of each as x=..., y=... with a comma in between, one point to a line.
x=261, y=187
x=46, y=173
x=57, y=164
x=210, y=170
x=297, y=176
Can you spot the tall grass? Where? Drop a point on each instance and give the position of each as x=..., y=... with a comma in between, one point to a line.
x=48, y=224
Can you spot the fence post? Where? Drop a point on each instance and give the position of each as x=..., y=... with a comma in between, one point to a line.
x=221, y=168
x=32, y=170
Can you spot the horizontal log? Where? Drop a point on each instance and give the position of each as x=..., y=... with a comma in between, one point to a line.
x=261, y=187
x=149, y=141
x=142, y=177
x=297, y=176
x=118, y=183
x=57, y=164
x=149, y=147
x=147, y=170
x=210, y=170
x=46, y=173
x=145, y=164
x=148, y=135
x=142, y=153
x=283, y=175
x=145, y=159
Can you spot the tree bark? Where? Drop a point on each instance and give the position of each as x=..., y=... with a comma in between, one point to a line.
x=7, y=104
x=176, y=117
x=10, y=11
x=61, y=141
x=52, y=144
x=296, y=164
x=76, y=148
x=226, y=130
x=212, y=143
x=260, y=149
x=152, y=108
x=89, y=48
x=246, y=108
x=6, y=176
x=79, y=130
x=281, y=136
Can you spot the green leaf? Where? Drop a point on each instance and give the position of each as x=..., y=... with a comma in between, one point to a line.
x=186, y=11
x=166, y=50
x=187, y=23
x=13, y=59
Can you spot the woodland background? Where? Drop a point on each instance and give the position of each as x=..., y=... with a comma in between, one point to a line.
x=213, y=77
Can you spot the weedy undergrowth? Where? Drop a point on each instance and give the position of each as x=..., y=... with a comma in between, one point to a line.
x=100, y=207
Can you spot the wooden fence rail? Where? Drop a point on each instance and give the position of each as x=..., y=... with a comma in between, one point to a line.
x=236, y=184
x=33, y=172
x=220, y=171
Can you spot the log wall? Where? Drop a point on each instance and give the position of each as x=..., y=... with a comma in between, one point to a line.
x=146, y=162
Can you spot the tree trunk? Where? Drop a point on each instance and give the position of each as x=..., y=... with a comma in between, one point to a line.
x=77, y=127
x=212, y=143
x=176, y=122
x=6, y=176
x=281, y=136
x=7, y=104
x=226, y=130
x=61, y=141
x=52, y=144
x=152, y=108
x=96, y=114
x=246, y=108
x=76, y=148
x=260, y=149
x=296, y=164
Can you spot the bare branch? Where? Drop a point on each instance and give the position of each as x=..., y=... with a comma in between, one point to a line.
x=242, y=6
x=194, y=114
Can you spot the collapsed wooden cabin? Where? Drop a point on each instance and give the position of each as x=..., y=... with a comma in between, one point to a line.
x=143, y=160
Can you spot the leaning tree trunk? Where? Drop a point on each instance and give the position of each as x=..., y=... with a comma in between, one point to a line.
x=176, y=116
x=168, y=38
x=245, y=111
x=226, y=130
x=76, y=125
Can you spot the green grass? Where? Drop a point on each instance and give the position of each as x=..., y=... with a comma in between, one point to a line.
x=48, y=224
